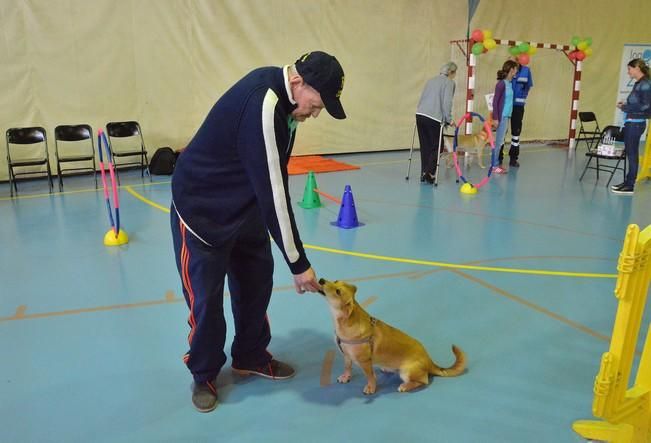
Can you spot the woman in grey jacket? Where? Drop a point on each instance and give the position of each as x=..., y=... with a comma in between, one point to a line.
x=434, y=109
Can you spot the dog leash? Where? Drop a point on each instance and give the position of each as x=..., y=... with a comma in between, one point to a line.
x=360, y=341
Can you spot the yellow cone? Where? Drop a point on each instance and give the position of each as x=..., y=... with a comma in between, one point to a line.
x=111, y=240
x=467, y=188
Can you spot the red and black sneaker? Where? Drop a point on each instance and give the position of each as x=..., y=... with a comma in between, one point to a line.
x=274, y=370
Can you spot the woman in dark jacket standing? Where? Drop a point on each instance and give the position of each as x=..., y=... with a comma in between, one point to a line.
x=638, y=110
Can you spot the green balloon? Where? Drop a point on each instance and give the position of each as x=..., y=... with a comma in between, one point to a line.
x=523, y=47
x=588, y=40
x=575, y=40
x=477, y=48
x=514, y=50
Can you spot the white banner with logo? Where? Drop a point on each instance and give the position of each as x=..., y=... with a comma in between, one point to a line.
x=631, y=51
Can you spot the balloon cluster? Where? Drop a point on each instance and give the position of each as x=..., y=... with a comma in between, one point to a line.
x=523, y=52
x=483, y=41
x=582, y=50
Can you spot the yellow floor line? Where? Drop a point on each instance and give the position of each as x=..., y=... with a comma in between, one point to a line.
x=146, y=200
x=458, y=266
x=418, y=262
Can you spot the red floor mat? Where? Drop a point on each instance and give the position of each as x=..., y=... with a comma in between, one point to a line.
x=316, y=163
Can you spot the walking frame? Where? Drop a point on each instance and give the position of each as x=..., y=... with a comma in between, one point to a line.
x=438, y=154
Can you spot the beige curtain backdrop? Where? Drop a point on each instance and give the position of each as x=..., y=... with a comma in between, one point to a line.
x=165, y=62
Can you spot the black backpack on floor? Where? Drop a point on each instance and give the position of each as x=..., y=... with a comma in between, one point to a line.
x=163, y=161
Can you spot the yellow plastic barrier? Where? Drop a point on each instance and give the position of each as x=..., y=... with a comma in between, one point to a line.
x=645, y=163
x=626, y=413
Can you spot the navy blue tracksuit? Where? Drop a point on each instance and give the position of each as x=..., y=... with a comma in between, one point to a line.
x=230, y=190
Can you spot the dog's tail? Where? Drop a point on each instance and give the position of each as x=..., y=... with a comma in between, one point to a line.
x=458, y=368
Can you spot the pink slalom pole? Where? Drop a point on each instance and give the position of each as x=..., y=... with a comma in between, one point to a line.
x=104, y=184
x=482, y=182
x=456, y=164
x=114, y=186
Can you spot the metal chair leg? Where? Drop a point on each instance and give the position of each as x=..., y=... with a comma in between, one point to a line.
x=60, y=176
x=411, y=152
x=11, y=180
x=438, y=156
x=612, y=173
x=586, y=168
x=49, y=177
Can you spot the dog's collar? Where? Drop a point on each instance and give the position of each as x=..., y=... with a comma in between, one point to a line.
x=359, y=341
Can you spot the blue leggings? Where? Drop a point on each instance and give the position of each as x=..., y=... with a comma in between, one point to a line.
x=632, y=134
x=499, y=136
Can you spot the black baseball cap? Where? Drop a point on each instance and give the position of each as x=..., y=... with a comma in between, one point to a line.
x=324, y=73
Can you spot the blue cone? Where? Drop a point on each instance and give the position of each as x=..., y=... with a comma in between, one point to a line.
x=347, y=218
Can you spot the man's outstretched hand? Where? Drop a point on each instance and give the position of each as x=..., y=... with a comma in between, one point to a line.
x=306, y=282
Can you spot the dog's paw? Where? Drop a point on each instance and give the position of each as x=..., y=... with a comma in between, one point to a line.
x=369, y=390
x=345, y=378
x=409, y=386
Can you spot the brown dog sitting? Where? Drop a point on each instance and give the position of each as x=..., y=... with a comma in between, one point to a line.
x=367, y=341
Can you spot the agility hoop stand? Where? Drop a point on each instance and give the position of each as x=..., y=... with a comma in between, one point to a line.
x=467, y=187
x=115, y=236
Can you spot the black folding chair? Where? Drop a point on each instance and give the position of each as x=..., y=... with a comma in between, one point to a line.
x=74, y=146
x=610, y=136
x=23, y=154
x=589, y=131
x=130, y=134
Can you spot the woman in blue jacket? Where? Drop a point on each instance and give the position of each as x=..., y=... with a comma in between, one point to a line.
x=638, y=109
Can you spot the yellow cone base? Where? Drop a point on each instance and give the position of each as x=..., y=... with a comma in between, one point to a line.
x=467, y=188
x=111, y=240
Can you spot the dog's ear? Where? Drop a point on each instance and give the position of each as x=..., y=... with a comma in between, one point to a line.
x=348, y=308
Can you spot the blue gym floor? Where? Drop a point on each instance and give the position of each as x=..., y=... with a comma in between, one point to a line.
x=93, y=337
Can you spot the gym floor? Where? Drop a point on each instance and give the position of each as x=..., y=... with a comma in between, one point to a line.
x=520, y=276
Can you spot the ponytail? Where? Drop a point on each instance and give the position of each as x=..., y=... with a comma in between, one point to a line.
x=506, y=67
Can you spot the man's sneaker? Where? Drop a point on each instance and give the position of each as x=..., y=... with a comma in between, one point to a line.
x=514, y=164
x=275, y=370
x=624, y=190
x=500, y=170
x=613, y=187
x=204, y=396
